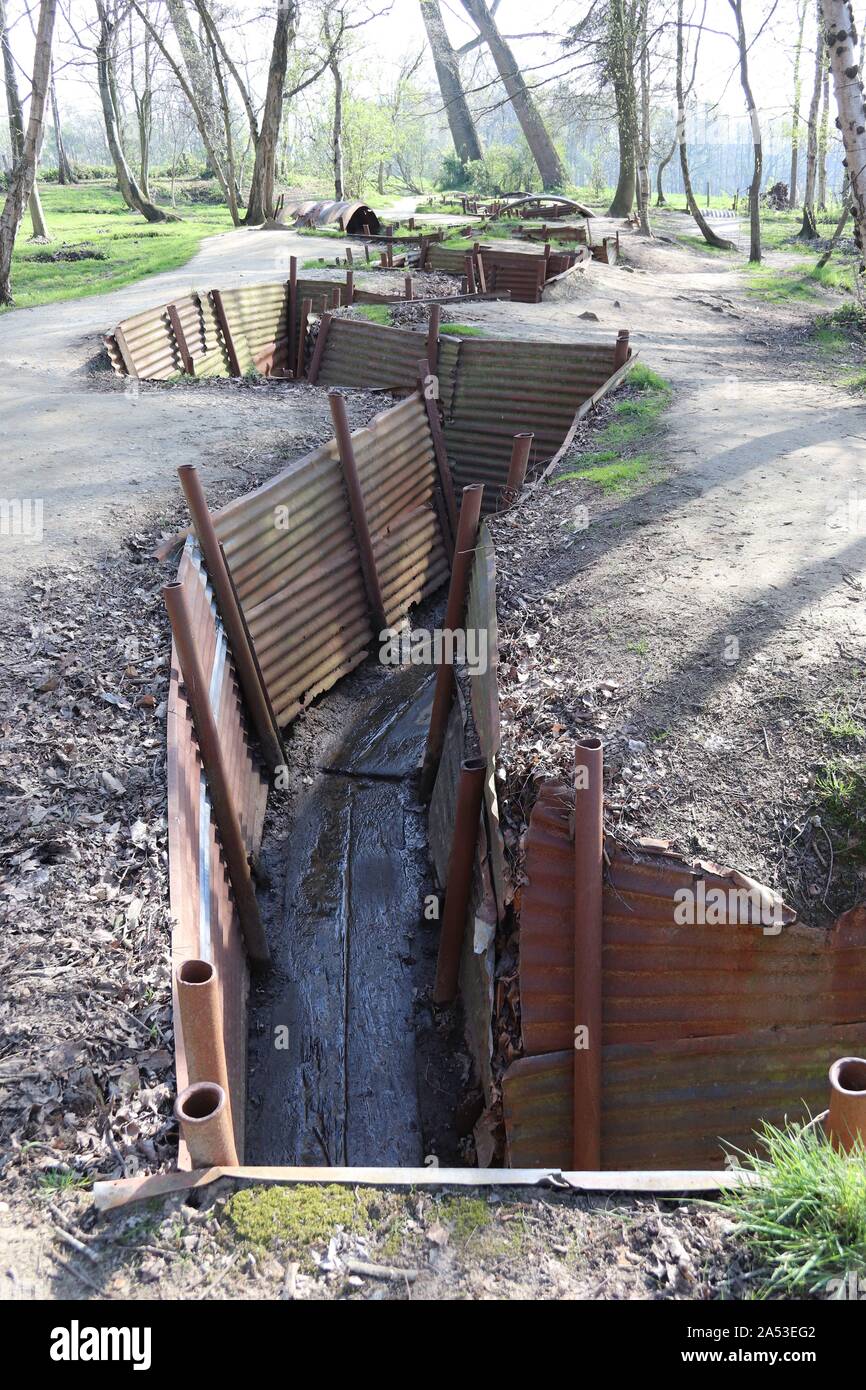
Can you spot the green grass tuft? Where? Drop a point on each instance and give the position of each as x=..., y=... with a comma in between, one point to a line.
x=376, y=313
x=295, y=1217
x=773, y=285
x=805, y=1221
x=613, y=477
x=462, y=330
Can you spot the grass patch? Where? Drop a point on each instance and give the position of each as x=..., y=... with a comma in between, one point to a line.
x=296, y=1217
x=52, y=1182
x=621, y=459
x=376, y=313
x=839, y=724
x=463, y=330
x=773, y=285
x=698, y=244
x=614, y=477
x=95, y=217
x=806, y=1221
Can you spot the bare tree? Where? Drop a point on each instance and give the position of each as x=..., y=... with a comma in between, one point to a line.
x=842, y=40
x=661, y=200
x=23, y=174
x=706, y=230
x=260, y=203
x=337, y=123
x=65, y=174
x=809, y=228
x=619, y=49
x=757, y=142
x=550, y=166
x=463, y=132
x=197, y=68
x=824, y=139
x=795, y=114
x=142, y=96
x=110, y=15
x=16, y=126
x=643, y=144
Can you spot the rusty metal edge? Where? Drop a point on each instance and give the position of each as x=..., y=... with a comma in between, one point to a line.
x=610, y=385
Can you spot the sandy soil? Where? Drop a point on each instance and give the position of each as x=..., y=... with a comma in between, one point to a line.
x=748, y=533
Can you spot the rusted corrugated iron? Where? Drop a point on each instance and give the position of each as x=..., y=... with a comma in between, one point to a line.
x=257, y=316
x=669, y=988
x=678, y=1104
x=351, y=217
x=370, y=354
x=205, y=920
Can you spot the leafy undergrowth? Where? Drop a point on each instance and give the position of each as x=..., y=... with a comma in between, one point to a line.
x=805, y=1219
x=623, y=456
x=93, y=217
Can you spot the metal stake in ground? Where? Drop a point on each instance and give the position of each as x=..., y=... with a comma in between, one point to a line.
x=461, y=569
x=520, y=451
x=461, y=862
x=254, y=692
x=219, y=786
x=588, y=873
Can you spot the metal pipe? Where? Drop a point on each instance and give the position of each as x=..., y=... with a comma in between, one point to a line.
x=202, y=1111
x=350, y=286
x=225, y=329
x=846, y=1124
x=319, y=349
x=461, y=570
x=588, y=874
x=433, y=338
x=461, y=863
x=471, y=286
x=180, y=338
x=363, y=539
x=429, y=381
x=254, y=692
x=306, y=310
x=407, y=284
x=621, y=350
x=292, y=351
x=520, y=451
x=201, y=1024
x=225, y=811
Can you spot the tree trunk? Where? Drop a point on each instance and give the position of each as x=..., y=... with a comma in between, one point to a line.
x=64, y=168
x=661, y=200
x=809, y=229
x=337, y=129
x=16, y=129
x=619, y=64
x=706, y=230
x=848, y=86
x=823, y=140
x=260, y=203
x=795, y=115
x=380, y=181
x=23, y=174
x=463, y=133
x=758, y=166
x=130, y=191
x=198, y=70
x=643, y=178
x=550, y=166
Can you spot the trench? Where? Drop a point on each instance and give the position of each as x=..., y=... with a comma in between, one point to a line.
x=349, y=1061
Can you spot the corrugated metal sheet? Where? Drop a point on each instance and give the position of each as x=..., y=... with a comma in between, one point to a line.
x=484, y=699
x=670, y=1105
x=707, y=1028
x=522, y=273
x=205, y=921
x=258, y=321
x=291, y=549
x=370, y=355
x=445, y=259
x=352, y=217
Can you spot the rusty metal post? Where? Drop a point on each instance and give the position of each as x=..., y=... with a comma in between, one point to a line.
x=471, y=286
x=846, y=1124
x=433, y=338
x=363, y=539
x=219, y=785
x=461, y=862
x=222, y=320
x=180, y=338
x=479, y=268
x=428, y=382
x=202, y=1111
x=293, y=314
x=252, y=687
x=520, y=451
x=319, y=349
x=461, y=570
x=383, y=260
x=306, y=310
x=621, y=350
x=407, y=282
x=350, y=286
x=588, y=874
x=201, y=1024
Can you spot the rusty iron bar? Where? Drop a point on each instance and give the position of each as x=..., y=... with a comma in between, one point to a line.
x=203, y=1113
x=520, y=451
x=222, y=320
x=249, y=677
x=479, y=268
x=433, y=338
x=319, y=349
x=471, y=285
x=461, y=862
x=461, y=571
x=350, y=286
x=180, y=339
x=846, y=1123
x=588, y=876
x=291, y=351
x=621, y=351
x=428, y=382
x=407, y=283
x=306, y=310
x=363, y=539
x=219, y=785
x=201, y=1023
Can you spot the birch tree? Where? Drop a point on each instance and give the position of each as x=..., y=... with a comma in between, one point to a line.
x=706, y=230
x=795, y=112
x=757, y=142
x=842, y=42
x=16, y=125
x=23, y=174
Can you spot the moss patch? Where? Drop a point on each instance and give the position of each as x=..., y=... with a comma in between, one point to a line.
x=294, y=1216
x=465, y=1216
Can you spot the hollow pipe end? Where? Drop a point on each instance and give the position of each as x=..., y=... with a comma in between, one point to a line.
x=199, y=1103
x=194, y=972
x=848, y=1076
